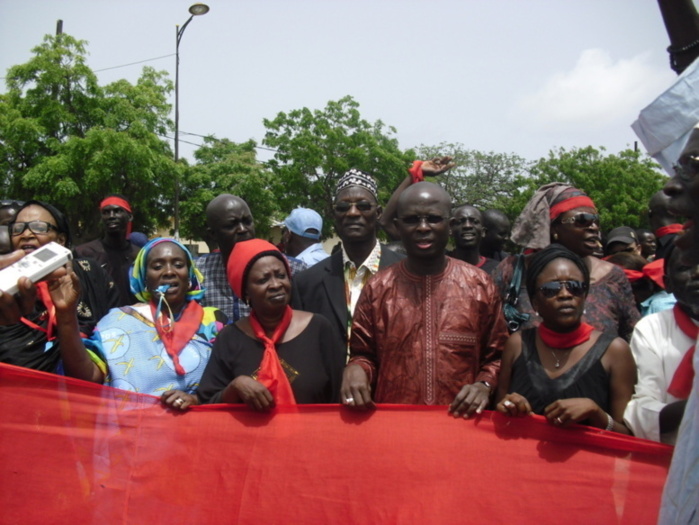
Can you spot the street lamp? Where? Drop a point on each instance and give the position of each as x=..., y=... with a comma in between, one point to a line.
x=195, y=10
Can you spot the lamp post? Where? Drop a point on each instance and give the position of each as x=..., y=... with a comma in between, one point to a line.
x=195, y=10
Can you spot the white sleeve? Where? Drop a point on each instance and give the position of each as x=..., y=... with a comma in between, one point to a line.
x=650, y=396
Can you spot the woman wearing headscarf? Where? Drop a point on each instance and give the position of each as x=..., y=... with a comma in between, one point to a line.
x=276, y=356
x=558, y=213
x=159, y=346
x=40, y=339
x=565, y=369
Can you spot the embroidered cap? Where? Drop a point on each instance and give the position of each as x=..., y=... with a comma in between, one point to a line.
x=355, y=177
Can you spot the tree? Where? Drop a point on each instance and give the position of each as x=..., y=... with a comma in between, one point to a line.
x=226, y=167
x=479, y=179
x=314, y=149
x=66, y=140
x=620, y=185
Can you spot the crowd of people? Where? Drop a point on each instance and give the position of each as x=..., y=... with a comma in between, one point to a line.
x=544, y=331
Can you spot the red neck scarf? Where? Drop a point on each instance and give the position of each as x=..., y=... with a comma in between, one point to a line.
x=42, y=292
x=176, y=335
x=667, y=230
x=271, y=373
x=560, y=340
x=681, y=384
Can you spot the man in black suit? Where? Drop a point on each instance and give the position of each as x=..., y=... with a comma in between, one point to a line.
x=332, y=286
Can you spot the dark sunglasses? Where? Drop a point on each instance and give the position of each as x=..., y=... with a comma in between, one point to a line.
x=552, y=289
x=344, y=207
x=582, y=220
x=37, y=227
x=413, y=220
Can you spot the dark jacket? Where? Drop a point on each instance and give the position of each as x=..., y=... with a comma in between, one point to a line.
x=321, y=289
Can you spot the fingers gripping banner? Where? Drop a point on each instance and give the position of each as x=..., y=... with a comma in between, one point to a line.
x=72, y=452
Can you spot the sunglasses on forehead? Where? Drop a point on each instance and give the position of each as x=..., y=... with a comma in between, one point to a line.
x=552, y=289
x=582, y=220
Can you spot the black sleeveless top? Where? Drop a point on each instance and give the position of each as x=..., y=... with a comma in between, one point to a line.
x=586, y=378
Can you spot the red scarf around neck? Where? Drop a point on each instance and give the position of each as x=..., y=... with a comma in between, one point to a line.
x=667, y=230
x=560, y=340
x=681, y=384
x=271, y=373
x=175, y=335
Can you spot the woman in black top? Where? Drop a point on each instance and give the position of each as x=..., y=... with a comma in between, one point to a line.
x=257, y=359
x=565, y=369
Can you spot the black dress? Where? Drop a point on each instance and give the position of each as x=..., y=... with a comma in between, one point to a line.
x=586, y=378
x=310, y=361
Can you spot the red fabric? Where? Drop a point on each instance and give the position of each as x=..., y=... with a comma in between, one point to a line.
x=681, y=384
x=271, y=373
x=175, y=335
x=565, y=340
x=481, y=261
x=72, y=450
x=416, y=171
x=241, y=256
x=655, y=272
x=581, y=201
x=116, y=201
x=667, y=230
x=42, y=291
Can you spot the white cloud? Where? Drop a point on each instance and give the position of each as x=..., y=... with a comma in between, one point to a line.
x=597, y=92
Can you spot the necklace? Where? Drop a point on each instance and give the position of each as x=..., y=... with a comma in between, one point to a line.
x=558, y=363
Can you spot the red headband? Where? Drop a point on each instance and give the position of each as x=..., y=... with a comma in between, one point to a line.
x=581, y=201
x=115, y=201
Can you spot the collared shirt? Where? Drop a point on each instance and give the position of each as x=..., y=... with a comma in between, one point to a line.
x=356, y=278
x=657, y=303
x=218, y=291
x=313, y=254
x=658, y=345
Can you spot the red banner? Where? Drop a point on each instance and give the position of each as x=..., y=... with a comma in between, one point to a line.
x=74, y=452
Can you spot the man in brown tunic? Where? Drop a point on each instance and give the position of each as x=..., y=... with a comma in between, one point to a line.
x=429, y=329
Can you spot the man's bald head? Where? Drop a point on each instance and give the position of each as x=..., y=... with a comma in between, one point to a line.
x=229, y=221
x=425, y=193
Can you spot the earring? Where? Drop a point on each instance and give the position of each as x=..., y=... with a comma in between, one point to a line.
x=555, y=236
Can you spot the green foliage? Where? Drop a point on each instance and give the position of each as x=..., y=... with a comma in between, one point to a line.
x=226, y=167
x=66, y=140
x=479, y=179
x=314, y=149
x=620, y=185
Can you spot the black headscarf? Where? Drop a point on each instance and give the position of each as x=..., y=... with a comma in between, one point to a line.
x=541, y=260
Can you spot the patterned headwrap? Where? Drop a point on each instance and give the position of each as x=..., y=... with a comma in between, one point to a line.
x=138, y=273
x=355, y=177
x=532, y=229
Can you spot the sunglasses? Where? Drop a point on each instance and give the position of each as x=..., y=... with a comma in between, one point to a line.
x=36, y=227
x=582, y=220
x=344, y=207
x=413, y=220
x=552, y=289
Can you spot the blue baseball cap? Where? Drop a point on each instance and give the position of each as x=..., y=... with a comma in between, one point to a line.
x=305, y=223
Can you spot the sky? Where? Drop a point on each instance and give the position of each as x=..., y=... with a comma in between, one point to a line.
x=507, y=76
